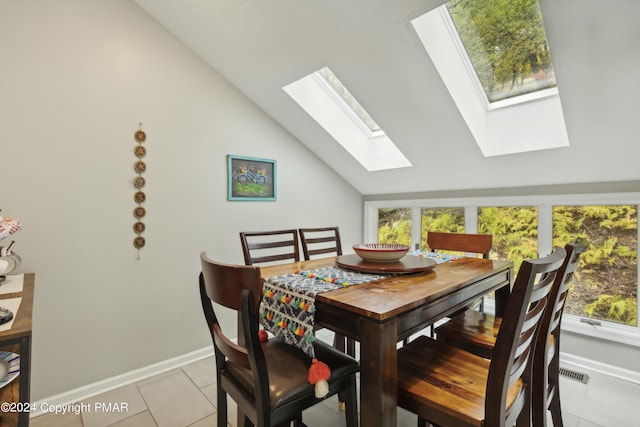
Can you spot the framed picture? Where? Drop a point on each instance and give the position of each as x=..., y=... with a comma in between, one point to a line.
x=250, y=178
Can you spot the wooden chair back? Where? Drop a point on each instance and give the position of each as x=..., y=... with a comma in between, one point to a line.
x=545, y=392
x=513, y=352
x=268, y=246
x=223, y=284
x=319, y=241
x=234, y=287
x=460, y=242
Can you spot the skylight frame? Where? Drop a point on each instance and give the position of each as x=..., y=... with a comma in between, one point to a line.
x=526, y=125
x=473, y=75
x=374, y=150
x=345, y=105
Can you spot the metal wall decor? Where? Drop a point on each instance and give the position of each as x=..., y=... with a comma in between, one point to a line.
x=139, y=182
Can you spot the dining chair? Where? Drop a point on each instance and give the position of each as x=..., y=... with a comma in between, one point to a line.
x=476, y=332
x=448, y=386
x=478, y=244
x=268, y=246
x=460, y=242
x=320, y=241
x=268, y=380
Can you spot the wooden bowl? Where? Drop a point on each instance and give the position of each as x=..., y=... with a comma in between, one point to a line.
x=380, y=252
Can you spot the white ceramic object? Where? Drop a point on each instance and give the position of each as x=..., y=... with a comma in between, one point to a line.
x=380, y=252
x=9, y=262
x=9, y=367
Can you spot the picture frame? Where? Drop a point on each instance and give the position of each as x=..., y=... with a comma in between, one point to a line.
x=251, y=178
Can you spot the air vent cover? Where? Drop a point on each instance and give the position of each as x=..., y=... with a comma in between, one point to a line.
x=574, y=375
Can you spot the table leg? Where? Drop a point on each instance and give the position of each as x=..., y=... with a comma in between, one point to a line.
x=502, y=294
x=378, y=373
x=25, y=379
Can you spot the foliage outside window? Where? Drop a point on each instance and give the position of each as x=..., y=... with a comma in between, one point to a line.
x=449, y=220
x=605, y=284
x=604, y=289
x=514, y=230
x=394, y=226
x=506, y=44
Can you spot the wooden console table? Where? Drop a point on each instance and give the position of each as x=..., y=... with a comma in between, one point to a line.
x=18, y=340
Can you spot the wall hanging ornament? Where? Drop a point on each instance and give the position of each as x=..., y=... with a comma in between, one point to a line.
x=139, y=182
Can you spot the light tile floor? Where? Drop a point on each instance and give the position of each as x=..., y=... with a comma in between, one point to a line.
x=186, y=397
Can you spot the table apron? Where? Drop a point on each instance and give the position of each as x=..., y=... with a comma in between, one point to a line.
x=424, y=315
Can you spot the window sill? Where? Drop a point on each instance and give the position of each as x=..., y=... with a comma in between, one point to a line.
x=606, y=331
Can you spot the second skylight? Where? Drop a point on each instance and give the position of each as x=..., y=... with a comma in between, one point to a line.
x=329, y=102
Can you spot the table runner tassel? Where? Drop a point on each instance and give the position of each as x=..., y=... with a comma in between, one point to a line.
x=319, y=373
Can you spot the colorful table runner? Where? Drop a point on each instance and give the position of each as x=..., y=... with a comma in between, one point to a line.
x=437, y=257
x=288, y=303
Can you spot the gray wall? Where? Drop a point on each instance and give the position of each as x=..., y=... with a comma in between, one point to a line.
x=77, y=77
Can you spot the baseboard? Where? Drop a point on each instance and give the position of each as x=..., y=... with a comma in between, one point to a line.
x=591, y=366
x=90, y=390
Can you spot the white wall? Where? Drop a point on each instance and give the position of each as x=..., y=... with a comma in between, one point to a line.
x=76, y=78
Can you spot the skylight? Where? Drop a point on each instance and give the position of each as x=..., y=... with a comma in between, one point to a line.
x=506, y=44
x=529, y=122
x=329, y=102
x=346, y=96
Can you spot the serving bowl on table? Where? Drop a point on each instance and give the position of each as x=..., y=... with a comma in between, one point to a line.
x=380, y=252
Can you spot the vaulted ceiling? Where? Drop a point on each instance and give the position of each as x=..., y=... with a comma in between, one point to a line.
x=260, y=46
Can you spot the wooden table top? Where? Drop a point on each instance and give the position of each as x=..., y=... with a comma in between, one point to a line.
x=386, y=298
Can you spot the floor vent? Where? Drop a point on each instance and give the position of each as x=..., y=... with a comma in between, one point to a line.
x=574, y=375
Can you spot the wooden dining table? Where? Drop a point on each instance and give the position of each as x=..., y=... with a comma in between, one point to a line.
x=380, y=313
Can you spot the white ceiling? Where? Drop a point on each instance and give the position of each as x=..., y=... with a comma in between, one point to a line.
x=261, y=46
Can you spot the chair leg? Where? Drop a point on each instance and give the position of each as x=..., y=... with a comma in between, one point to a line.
x=339, y=342
x=554, y=407
x=348, y=346
x=222, y=405
x=524, y=419
x=351, y=347
x=351, y=404
x=297, y=422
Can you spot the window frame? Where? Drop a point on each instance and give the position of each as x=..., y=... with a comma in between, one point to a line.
x=606, y=330
x=473, y=75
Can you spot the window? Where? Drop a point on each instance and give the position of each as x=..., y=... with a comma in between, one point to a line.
x=603, y=300
x=346, y=96
x=506, y=44
x=394, y=226
x=448, y=220
x=332, y=106
x=514, y=230
x=604, y=287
